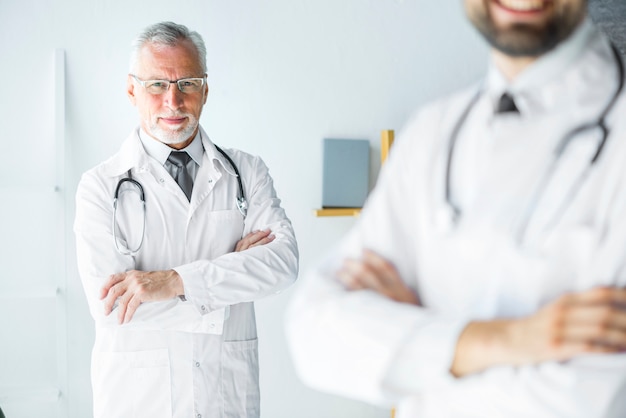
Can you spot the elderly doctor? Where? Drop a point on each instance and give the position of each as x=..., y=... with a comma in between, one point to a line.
x=485, y=275
x=172, y=270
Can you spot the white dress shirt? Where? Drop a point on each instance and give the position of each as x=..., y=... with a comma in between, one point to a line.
x=160, y=152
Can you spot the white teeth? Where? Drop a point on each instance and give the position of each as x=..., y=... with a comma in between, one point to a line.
x=522, y=5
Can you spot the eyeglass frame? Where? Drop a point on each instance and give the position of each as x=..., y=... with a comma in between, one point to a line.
x=169, y=82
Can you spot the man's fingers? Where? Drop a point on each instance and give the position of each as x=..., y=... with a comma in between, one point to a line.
x=128, y=303
x=113, y=293
x=121, y=310
x=131, y=308
x=141, y=286
x=358, y=275
x=592, y=321
x=348, y=281
x=363, y=275
x=598, y=295
x=389, y=279
x=568, y=349
x=596, y=324
x=375, y=273
x=263, y=241
x=253, y=239
x=381, y=267
x=113, y=280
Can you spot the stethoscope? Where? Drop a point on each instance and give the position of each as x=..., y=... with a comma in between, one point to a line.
x=241, y=202
x=560, y=149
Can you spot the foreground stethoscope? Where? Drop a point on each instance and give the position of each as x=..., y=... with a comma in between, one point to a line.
x=600, y=123
x=241, y=202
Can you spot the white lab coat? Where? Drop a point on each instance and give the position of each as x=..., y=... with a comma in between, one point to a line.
x=193, y=358
x=361, y=345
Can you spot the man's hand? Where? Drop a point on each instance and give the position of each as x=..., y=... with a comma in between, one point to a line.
x=253, y=239
x=375, y=273
x=135, y=287
x=593, y=321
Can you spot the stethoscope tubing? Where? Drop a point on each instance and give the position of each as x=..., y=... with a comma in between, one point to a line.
x=142, y=196
x=241, y=203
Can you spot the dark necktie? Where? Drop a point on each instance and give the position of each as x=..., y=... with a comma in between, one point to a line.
x=506, y=104
x=182, y=176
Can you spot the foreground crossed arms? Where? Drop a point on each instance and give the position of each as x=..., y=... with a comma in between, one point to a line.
x=592, y=321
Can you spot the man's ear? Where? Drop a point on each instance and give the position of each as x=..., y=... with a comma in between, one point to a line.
x=206, y=92
x=130, y=89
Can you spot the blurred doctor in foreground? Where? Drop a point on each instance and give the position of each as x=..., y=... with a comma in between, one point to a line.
x=485, y=275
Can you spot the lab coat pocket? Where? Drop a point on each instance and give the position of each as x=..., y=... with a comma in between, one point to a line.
x=132, y=384
x=240, y=379
x=225, y=227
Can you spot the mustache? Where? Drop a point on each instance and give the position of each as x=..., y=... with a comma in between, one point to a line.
x=174, y=115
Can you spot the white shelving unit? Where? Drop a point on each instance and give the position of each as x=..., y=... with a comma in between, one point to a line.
x=33, y=309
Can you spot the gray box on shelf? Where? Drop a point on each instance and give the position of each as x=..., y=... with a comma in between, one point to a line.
x=345, y=182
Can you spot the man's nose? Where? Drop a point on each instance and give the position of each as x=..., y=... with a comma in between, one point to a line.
x=173, y=97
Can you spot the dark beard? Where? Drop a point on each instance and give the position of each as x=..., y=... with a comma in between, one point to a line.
x=524, y=40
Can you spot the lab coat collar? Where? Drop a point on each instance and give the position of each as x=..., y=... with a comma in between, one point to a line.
x=549, y=67
x=214, y=155
x=131, y=155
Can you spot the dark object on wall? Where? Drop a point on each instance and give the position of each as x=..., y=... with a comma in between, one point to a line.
x=1, y=413
x=346, y=173
x=610, y=15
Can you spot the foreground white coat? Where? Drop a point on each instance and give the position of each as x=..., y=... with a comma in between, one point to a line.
x=181, y=358
x=363, y=345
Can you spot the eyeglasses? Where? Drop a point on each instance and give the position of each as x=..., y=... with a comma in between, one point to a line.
x=185, y=85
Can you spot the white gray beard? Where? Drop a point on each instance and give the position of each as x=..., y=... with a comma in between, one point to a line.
x=174, y=137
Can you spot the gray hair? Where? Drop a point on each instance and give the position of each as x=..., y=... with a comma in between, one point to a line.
x=169, y=34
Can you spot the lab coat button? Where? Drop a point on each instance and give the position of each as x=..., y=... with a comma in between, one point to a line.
x=199, y=416
x=161, y=180
x=203, y=308
x=197, y=364
x=210, y=181
x=212, y=326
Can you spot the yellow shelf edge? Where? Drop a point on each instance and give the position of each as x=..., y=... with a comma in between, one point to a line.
x=337, y=212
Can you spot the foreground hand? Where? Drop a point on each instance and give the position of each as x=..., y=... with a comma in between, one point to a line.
x=593, y=321
x=133, y=287
x=254, y=239
x=375, y=273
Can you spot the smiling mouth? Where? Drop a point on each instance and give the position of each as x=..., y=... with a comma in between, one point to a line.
x=173, y=121
x=523, y=5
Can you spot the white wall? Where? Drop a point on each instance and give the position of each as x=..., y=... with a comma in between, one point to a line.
x=283, y=74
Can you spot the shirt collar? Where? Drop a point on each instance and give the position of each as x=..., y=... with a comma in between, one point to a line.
x=160, y=151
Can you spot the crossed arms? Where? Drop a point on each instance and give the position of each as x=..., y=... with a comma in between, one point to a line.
x=131, y=288
x=592, y=321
